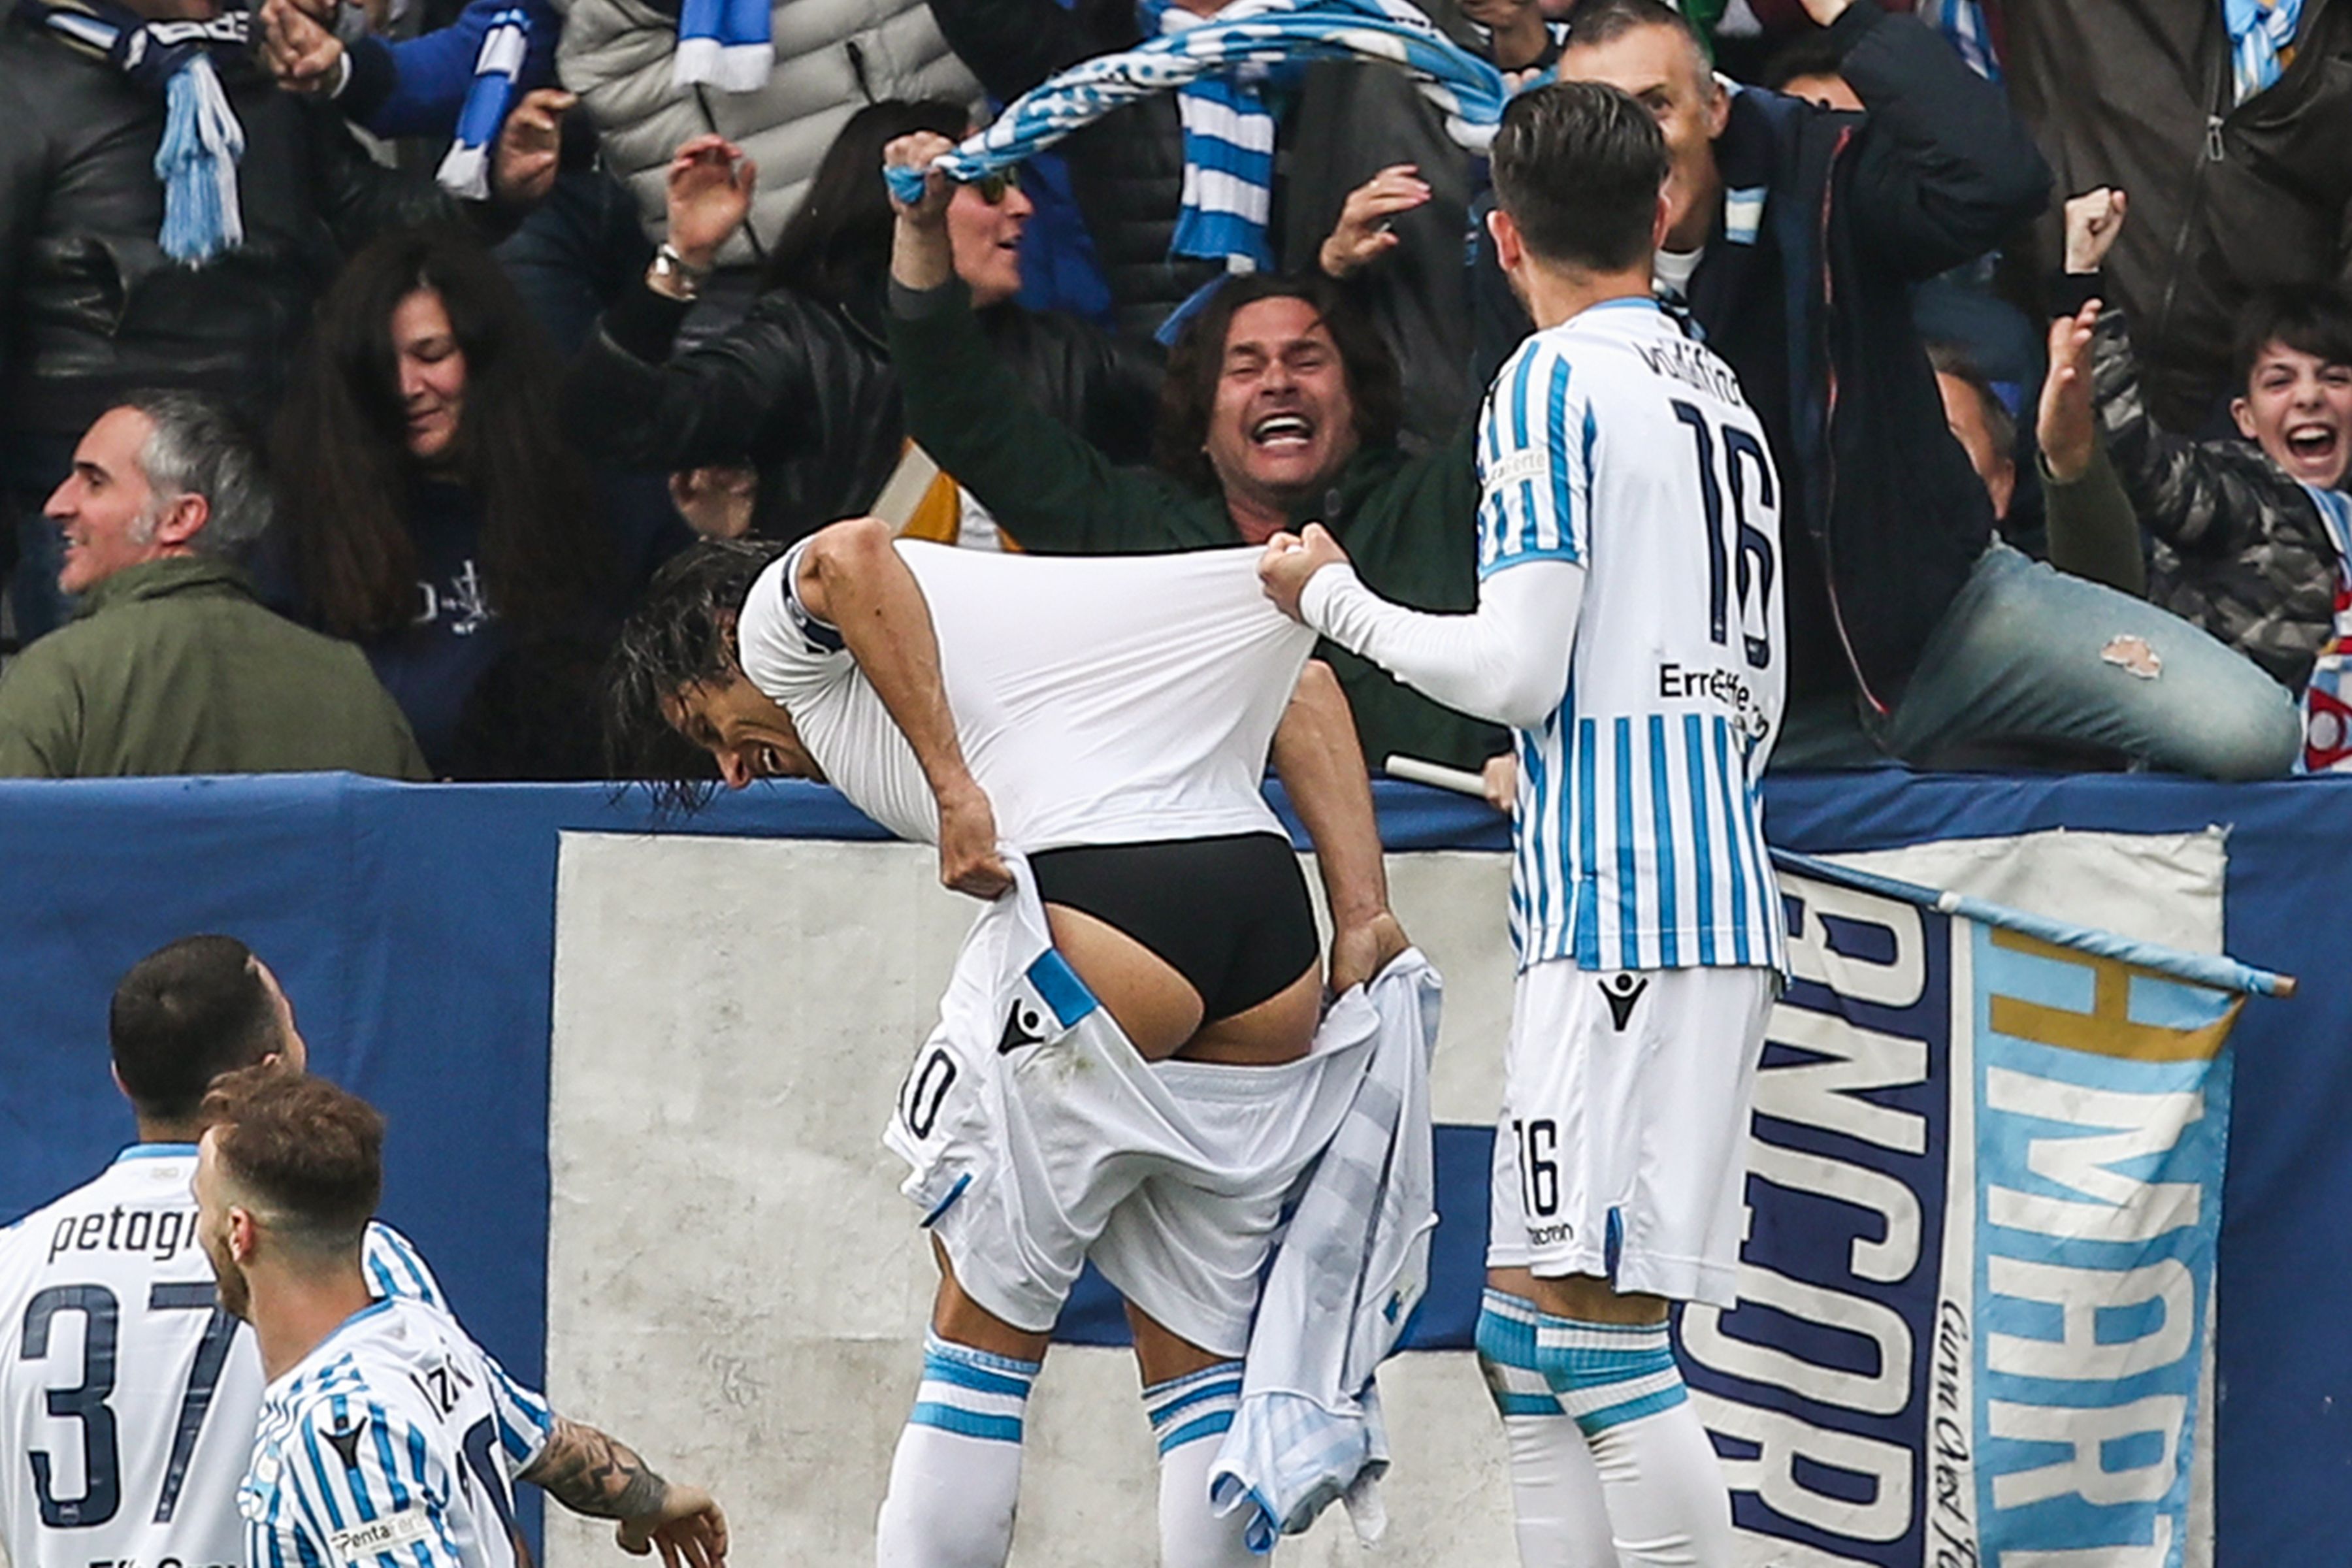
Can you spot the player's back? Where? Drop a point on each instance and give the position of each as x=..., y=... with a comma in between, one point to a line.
x=395, y=1444
x=1097, y=700
x=121, y=1379
x=127, y=1397
x=1616, y=441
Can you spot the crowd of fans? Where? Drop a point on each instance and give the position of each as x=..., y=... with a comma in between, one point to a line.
x=361, y=364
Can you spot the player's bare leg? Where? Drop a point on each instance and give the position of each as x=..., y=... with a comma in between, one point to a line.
x=1190, y=1394
x=956, y=1477
x=1609, y=1463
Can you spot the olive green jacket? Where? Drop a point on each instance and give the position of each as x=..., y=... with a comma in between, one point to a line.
x=175, y=668
x=1410, y=524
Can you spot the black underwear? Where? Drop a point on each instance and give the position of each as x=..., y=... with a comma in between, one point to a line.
x=1230, y=914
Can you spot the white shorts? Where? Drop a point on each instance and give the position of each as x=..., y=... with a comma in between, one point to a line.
x=1621, y=1151
x=1172, y=1176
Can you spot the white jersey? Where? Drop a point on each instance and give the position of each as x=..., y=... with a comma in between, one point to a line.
x=1104, y=699
x=395, y=1444
x=127, y=1397
x=1614, y=441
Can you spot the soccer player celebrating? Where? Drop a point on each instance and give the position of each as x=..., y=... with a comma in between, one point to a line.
x=127, y=1398
x=1104, y=724
x=1628, y=624
x=388, y=1438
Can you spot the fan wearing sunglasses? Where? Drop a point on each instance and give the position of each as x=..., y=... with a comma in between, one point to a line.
x=791, y=417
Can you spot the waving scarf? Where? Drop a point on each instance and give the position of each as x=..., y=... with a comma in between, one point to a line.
x=1468, y=92
x=465, y=169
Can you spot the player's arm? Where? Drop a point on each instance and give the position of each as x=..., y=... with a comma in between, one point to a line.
x=851, y=577
x=595, y=1474
x=1322, y=769
x=1506, y=661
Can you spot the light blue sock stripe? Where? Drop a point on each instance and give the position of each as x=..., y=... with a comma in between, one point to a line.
x=1594, y=1422
x=946, y=1369
x=1213, y=1423
x=965, y=1423
x=1525, y=1404
x=1228, y=1390
x=1504, y=1336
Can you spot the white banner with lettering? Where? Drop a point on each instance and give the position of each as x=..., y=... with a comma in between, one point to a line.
x=1977, y=1291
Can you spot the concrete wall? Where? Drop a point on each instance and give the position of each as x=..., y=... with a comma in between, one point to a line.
x=736, y=1285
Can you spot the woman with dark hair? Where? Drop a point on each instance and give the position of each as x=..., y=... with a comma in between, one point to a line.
x=433, y=514
x=801, y=390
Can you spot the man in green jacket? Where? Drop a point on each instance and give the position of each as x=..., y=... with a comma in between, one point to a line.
x=1280, y=409
x=173, y=666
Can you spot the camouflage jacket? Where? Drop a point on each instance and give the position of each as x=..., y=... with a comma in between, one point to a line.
x=2238, y=547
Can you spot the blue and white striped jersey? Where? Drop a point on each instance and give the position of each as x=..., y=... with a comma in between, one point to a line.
x=127, y=1397
x=1615, y=441
x=395, y=1444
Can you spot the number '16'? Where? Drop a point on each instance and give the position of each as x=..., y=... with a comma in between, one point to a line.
x=1748, y=555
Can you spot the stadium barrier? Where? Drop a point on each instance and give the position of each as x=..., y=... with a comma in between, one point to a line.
x=720, y=1267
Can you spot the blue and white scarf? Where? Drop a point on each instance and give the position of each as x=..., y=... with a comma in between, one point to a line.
x=2257, y=33
x=1228, y=156
x=201, y=138
x=465, y=169
x=1962, y=23
x=1467, y=90
x=727, y=44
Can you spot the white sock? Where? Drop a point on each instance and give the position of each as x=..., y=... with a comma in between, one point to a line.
x=1189, y=1416
x=1556, y=1505
x=1668, y=1505
x=956, y=1477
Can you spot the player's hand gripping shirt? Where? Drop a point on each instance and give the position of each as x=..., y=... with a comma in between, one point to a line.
x=1615, y=442
x=127, y=1397
x=395, y=1444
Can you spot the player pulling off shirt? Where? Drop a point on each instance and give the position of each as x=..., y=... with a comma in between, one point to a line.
x=1628, y=621
x=388, y=1438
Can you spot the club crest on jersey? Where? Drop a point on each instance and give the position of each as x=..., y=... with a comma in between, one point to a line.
x=363, y=1542
x=347, y=1444
x=1046, y=1000
x=1622, y=993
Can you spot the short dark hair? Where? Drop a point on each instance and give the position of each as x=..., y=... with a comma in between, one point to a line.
x=1198, y=359
x=1578, y=165
x=310, y=1153
x=2312, y=318
x=682, y=634
x=1952, y=360
x=1598, y=22
x=185, y=1015
x=1816, y=53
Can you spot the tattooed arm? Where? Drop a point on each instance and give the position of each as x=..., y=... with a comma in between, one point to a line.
x=591, y=1473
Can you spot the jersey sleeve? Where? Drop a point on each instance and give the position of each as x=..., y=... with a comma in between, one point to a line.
x=397, y=1271
x=361, y=1488
x=1535, y=463
x=784, y=647
x=526, y=1421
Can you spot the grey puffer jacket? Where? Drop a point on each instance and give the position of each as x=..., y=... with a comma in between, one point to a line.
x=833, y=58
x=2238, y=547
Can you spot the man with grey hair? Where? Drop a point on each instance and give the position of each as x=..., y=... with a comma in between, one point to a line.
x=174, y=666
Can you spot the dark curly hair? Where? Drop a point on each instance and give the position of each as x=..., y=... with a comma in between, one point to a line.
x=682, y=634
x=1199, y=356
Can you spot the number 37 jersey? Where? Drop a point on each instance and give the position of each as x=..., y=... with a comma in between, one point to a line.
x=127, y=1397
x=1614, y=441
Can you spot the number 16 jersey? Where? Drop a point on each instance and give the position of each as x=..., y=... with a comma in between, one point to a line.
x=1614, y=441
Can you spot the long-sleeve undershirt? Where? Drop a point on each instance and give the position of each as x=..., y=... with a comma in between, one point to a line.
x=1506, y=662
